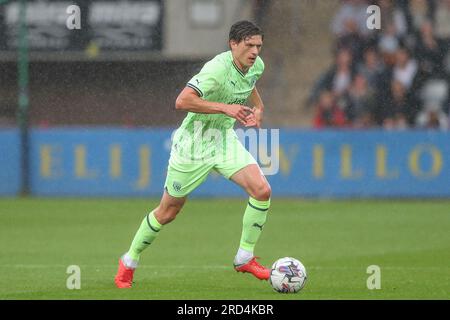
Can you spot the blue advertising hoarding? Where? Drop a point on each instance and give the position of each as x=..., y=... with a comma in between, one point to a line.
x=133, y=162
x=9, y=162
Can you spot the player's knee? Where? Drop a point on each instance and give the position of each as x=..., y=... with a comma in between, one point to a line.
x=263, y=193
x=266, y=192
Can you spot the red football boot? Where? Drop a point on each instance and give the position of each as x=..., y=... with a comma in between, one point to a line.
x=124, y=276
x=253, y=267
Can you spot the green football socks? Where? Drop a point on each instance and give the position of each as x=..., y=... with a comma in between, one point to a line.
x=147, y=232
x=254, y=218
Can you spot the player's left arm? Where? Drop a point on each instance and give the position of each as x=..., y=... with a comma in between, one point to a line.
x=255, y=118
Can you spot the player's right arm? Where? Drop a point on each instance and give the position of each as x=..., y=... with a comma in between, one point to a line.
x=188, y=100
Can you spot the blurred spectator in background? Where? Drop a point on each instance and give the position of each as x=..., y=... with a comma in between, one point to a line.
x=421, y=10
x=341, y=77
x=397, y=14
x=442, y=20
x=432, y=117
x=406, y=15
x=388, y=44
x=430, y=50
x=435, y=93
x=372, y=68
x=395, y=113
x=352, y=39
x=328, y=113
x=359, y=103
x=337, y=79
x=351, y=13
x=405, y=68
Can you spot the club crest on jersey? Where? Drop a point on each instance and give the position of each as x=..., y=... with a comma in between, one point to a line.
x=176, y=186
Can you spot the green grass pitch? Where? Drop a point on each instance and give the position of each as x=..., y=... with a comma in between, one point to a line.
x=192, y=257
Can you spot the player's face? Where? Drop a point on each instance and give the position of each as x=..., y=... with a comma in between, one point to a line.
x=246, y=51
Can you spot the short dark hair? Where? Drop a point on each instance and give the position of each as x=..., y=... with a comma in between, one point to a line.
x=244, y=29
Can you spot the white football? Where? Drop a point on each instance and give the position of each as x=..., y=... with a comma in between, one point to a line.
x=288, y=275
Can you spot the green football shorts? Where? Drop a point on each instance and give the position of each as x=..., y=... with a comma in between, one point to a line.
x=184, y=176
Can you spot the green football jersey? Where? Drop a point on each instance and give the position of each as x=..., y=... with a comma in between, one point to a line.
x=220, y=80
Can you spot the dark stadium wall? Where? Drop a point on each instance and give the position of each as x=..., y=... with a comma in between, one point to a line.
x=99, y=93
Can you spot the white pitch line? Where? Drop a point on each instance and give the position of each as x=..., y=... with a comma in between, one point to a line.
x=43, y=266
